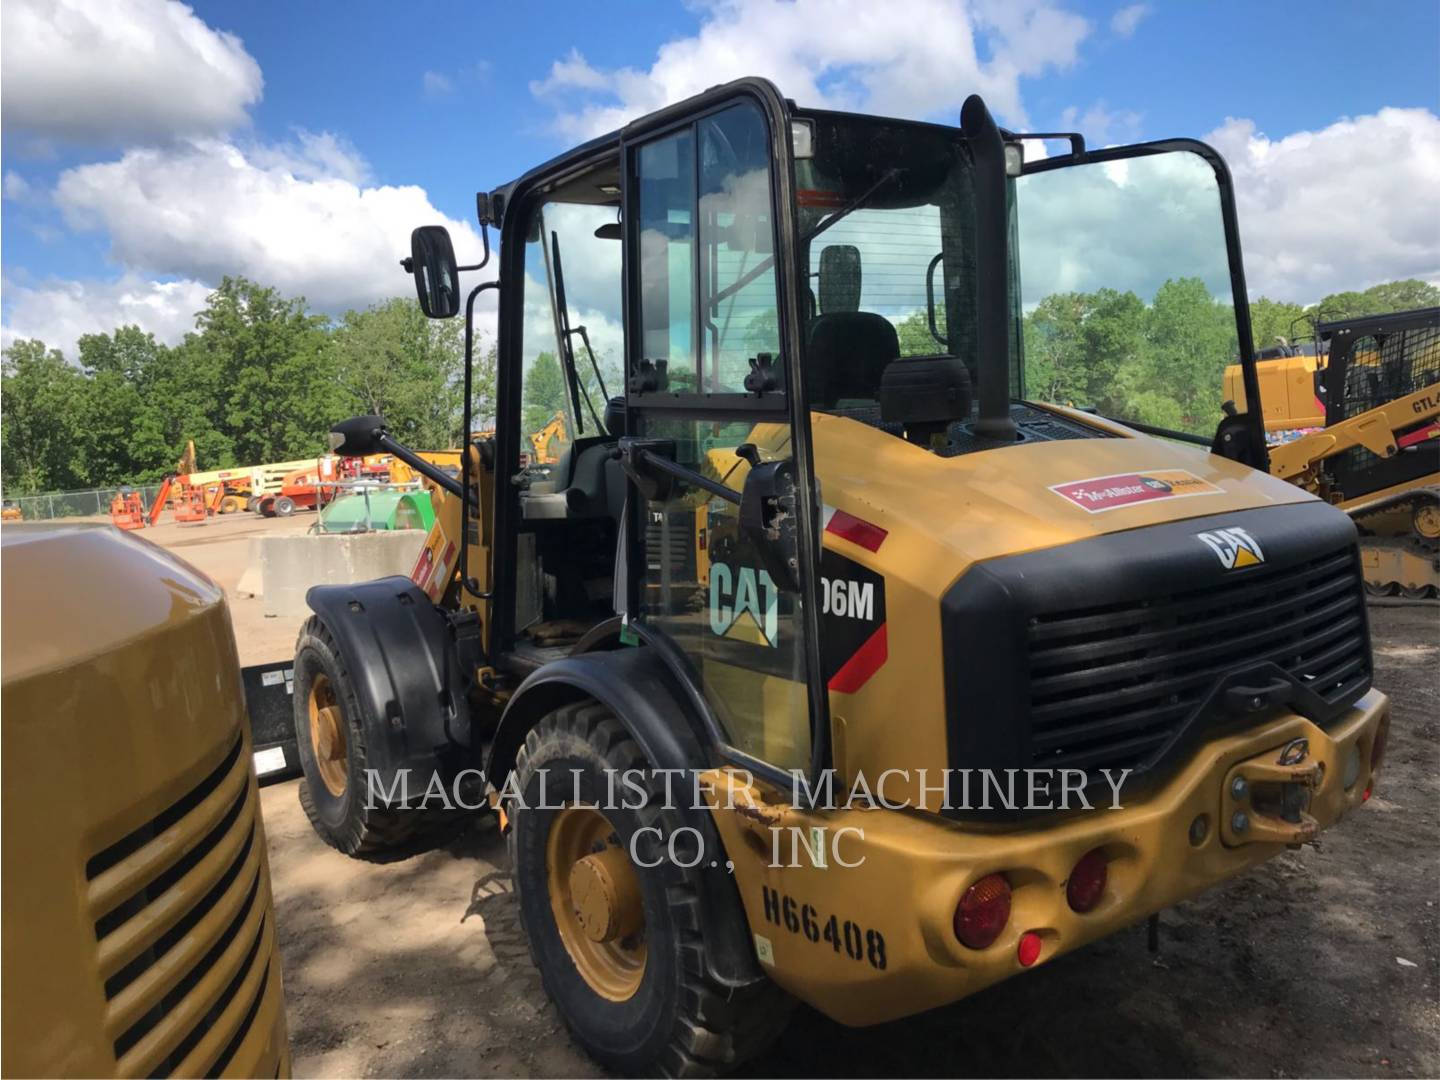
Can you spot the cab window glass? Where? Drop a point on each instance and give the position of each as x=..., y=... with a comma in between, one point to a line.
x=667, y=231
x=737, y=265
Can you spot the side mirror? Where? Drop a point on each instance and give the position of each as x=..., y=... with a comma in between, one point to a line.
x=437, y=279
x=357, y=436
x=767, y=519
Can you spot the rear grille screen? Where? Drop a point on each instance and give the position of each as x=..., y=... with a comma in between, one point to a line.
x=1110, y=686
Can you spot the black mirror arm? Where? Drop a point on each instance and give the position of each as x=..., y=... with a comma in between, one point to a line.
x=389, y=445
x=485, y=251
x=639, y=457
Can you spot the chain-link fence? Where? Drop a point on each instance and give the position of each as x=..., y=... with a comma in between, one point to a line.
x=71, y=504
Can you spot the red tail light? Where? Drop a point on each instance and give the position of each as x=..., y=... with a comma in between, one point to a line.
x=1087, y=881
x=983, y=912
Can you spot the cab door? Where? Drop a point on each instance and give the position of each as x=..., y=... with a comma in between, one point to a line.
x=713, y=389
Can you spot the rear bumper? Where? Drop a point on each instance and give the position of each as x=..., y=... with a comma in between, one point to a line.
x=913, y=869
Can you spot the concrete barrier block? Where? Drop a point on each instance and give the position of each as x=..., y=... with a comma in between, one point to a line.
x=250, y=583
x=289, y=565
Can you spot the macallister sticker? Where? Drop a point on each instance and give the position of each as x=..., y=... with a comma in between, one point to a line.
x=1101, y=493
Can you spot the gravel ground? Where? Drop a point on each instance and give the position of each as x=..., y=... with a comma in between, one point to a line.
x=417, y=968
x=1322, y=962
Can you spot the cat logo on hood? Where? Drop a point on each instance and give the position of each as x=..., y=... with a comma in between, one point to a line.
x=1234, y=547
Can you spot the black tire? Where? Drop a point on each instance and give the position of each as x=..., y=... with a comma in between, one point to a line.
x=343, y=821
x=678, y=1022
x=284, y=506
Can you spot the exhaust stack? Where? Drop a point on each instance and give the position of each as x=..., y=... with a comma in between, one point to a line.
x=992, y=300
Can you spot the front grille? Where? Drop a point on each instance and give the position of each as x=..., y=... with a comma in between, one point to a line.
x=182, y=928
x=1111, y=686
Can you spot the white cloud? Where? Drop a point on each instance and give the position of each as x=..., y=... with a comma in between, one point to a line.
x=846, y=53
x=59, y=312
x=1344, y=207
x=1101, y=126
x=1125, y=21
x=299, y=217
x=436, y=85
x=120, y=70
x=1125, y=225
x=16, y=187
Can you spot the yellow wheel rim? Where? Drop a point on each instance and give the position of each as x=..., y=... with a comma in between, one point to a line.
x=327, y=736
x=595, y=898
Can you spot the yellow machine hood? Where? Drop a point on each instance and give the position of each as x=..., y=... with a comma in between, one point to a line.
x=1007, y=501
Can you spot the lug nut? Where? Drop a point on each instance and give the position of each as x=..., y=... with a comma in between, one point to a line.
x=1239, y=789
x=1240, y=821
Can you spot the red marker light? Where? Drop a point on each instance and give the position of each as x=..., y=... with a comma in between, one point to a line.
x=1029, y=949
x=1087, y=881
x=983, y=912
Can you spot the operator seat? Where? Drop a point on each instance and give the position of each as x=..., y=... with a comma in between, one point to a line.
x=846, y=349
x=847, y=353
x=588, y=480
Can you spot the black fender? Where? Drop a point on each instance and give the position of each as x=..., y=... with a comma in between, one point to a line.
x=640, y=689
x=404, y=657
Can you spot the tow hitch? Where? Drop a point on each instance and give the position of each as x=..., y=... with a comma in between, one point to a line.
x=1267, y=797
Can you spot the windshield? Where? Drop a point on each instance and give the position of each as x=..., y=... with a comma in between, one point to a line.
x=1125, y=287
x=885, y=221
x=1119, y=274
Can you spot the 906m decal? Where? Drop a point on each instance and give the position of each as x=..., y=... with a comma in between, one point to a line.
x=853, y=638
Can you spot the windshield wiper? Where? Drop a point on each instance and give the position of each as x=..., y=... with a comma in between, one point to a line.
x=572, y=375
x=855, y=204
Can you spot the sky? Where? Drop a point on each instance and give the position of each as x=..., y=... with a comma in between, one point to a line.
x=149, y=148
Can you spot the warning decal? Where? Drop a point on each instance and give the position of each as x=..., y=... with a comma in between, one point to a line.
x=1101, y=493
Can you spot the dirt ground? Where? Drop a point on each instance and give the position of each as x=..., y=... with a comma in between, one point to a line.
x=1324, y=961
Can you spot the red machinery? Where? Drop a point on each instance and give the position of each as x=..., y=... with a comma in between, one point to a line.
x=309, y=488
x=191, y=507
x=127, y=510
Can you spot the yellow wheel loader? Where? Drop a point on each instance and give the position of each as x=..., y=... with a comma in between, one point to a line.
x=1378, y=455
x=139, y=931
x=835, y=659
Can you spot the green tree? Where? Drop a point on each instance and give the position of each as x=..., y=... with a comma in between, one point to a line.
x=41, y=436
x=126, y=436
x=544, y=393
x=1377, y=300
x=275, y=389
x=1054, y=354
x=915, y=336
x=1192, y=338
x=391, y=360
x=1274, y=321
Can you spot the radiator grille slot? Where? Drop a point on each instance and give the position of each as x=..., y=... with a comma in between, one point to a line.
x=178, y=899
x=1111, y=685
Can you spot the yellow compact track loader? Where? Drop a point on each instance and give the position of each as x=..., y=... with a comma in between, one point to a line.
x=856, y=649
x=1378, y=455
x=139, y=931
